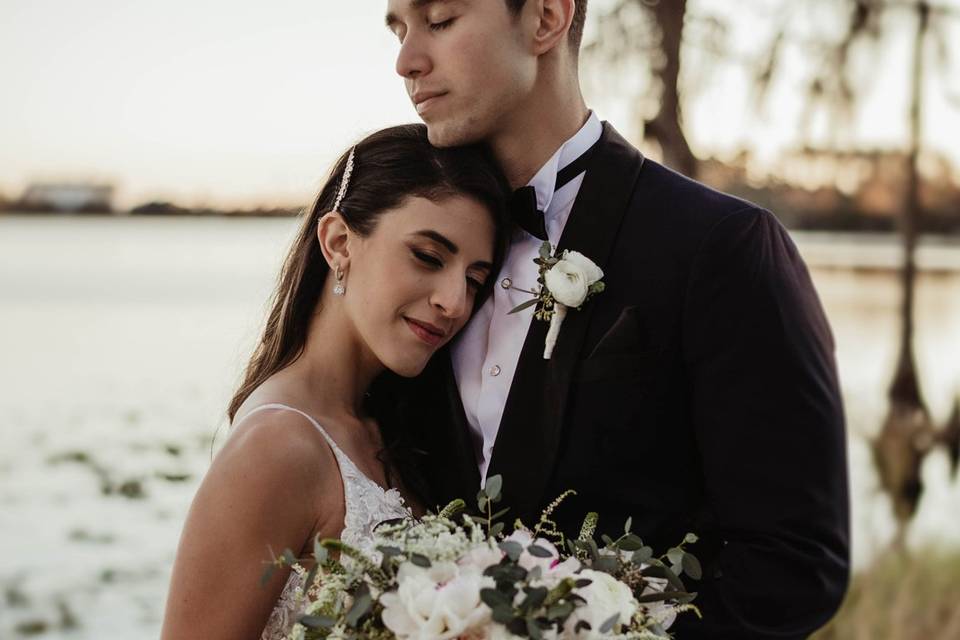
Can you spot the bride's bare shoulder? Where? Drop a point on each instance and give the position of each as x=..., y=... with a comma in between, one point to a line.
x=281, y=440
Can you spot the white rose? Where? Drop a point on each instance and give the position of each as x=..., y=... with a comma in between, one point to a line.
x=568, y=283
x=440, y=602
x=592, y=271
x=605, y=596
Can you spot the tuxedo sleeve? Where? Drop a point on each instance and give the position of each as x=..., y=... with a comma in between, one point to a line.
x=769, y=427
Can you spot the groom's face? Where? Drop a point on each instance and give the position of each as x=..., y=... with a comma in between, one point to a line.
x=465, y=65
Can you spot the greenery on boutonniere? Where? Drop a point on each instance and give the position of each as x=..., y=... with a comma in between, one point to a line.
x=563, y=282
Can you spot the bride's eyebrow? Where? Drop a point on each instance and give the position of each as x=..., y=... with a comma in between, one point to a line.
x=450, y=246
x=438, y=238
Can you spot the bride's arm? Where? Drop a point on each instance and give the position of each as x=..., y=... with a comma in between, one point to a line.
x=263, y=491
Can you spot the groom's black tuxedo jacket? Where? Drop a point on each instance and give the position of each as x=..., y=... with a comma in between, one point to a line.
x=697, y=393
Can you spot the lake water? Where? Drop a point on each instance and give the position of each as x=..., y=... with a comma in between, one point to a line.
x=121, y=340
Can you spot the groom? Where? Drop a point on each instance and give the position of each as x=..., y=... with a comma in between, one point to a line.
x=698, y=392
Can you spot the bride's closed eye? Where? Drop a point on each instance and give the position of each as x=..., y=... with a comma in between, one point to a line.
x=434, y=262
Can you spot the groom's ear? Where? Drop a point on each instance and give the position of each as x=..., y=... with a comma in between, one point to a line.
x=554, y=20
x=334, y=237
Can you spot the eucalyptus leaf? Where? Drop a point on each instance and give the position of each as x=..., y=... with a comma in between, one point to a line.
x=512, y=548
x=288, y=557
x=525, y=305
x=317, y=622
x=631, y=543
x=500, y=514
x=642, y=555
x=493, y=486
x=545, y=250
x=607, y=540
x=607, y=564
x=267, y=574
x=493, y=598
x=538, y=551
x=320, y=552
x=675, y=555
x=534, y=629
x=691, y=566
x=534, y=599
x=560, y=611
x=420, y=560
x=496, y=529
x=609, y=623
x=627, y=525
x=660, y=596
x=311, y=575
x=362, y=603
x=502, y=614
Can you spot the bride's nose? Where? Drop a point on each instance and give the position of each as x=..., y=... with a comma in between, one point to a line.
x=451, y=295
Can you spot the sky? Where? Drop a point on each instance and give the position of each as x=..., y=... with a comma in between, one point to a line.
x=246, y=103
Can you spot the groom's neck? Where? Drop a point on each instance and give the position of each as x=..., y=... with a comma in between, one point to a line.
x=535, y=130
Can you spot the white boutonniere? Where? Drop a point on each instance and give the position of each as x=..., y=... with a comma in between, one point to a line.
x=565, y=281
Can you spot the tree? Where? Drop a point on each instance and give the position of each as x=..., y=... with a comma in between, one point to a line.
x=651, y=32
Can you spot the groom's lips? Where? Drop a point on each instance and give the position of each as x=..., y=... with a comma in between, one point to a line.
x=424, y=99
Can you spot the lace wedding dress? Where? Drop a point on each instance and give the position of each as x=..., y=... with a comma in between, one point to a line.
x=366, y=504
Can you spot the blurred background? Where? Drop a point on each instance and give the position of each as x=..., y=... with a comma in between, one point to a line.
x=153, y=157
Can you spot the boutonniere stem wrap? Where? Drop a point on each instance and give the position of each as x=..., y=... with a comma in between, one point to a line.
x=564, y=282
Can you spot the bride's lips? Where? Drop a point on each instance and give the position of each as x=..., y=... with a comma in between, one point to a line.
x=424, y=100
x=428, y=333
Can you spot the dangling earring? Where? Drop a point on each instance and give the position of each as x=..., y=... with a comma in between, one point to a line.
x=338, y=288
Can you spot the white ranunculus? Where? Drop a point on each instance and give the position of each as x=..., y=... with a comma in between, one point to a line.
x=552, y=570
x=568, y=283
x=481, y=556
x=592, y=271
x=440, y=602
x=605, y=596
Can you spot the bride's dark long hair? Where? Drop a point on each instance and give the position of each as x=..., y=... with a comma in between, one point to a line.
x=390, y=166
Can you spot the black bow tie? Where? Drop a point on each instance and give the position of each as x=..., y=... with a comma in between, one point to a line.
x=523, y=204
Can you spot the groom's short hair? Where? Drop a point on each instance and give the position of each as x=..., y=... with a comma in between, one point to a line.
x=576, y=27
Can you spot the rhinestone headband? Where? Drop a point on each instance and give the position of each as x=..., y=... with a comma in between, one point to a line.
x=345, y=181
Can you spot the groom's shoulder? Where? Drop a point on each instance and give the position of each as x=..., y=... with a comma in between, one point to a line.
x=672, y=196
x=686, y=200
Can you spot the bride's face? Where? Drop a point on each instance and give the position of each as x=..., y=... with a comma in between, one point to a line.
x=412, y=282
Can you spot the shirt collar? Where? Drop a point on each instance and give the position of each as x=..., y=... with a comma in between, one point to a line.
x=546, y=178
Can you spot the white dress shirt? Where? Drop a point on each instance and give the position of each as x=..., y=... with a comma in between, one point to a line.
x=486, y=352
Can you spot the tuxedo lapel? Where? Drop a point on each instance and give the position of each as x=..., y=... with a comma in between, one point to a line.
x=529, y=436
x=453, y=471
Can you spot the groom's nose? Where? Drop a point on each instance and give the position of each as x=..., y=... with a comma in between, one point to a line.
x=413, y=60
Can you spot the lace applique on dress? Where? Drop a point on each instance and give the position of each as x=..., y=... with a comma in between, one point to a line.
x=366, y=505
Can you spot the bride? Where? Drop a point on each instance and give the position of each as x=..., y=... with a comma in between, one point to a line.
x=401, y=244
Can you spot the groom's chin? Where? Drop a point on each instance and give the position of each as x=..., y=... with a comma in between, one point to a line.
x=449, y=134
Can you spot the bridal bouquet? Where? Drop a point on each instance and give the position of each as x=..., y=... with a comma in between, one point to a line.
x=456, y=576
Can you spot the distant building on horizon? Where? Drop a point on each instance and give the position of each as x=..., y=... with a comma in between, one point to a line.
x=68, y=197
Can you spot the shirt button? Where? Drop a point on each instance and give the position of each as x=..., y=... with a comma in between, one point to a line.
x=506, y=283
x=495, y=370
